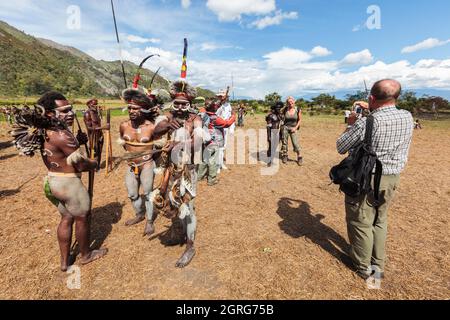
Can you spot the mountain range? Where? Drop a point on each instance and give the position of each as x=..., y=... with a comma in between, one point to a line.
x=30, y=66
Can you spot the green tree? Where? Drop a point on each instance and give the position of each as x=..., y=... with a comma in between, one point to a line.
x=272, y=98
x=408, y=101
x=302, y=103
x=325, y=101
x=358, y=96
x=427, y=102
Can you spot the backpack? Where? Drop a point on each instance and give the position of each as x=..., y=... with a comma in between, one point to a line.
x=354, y=173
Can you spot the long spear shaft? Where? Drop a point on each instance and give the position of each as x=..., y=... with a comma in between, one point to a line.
x=91, y=172
x=108, y=142
x=367, y=91
x=118, y=42
x=232, y=84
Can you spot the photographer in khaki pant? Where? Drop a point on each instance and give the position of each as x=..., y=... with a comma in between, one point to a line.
x=391, y=138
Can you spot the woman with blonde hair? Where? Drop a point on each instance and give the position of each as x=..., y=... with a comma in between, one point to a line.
x=292, y=120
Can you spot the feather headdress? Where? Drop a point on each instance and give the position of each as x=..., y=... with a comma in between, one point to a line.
x=183, y=91
x=29, y=128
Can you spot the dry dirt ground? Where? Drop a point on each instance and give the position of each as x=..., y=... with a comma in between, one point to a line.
x=259, y=237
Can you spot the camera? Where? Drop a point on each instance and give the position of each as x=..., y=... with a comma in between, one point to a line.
x=359, y=110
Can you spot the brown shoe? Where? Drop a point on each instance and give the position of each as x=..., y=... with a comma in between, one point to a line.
x=284, y=160
x=300, y=161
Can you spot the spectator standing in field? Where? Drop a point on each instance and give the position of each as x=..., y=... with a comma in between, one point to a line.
x=391, y=138
x=292, y=119
x=225, y=112
x=241, y=113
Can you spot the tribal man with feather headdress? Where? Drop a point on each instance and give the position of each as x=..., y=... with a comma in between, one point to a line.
x=175, y=197
x=138, y=139
x=45, y=129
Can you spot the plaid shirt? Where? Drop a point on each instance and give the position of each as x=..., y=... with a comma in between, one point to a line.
x=391, y=137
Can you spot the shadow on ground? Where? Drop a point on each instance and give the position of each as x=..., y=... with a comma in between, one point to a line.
x=298, y=221
x=103, y=219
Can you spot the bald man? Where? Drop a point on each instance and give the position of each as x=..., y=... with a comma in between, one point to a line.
x=391, y=138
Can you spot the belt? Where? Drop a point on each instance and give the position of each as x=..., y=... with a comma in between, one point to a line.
x=136, y=167
x=65, y=175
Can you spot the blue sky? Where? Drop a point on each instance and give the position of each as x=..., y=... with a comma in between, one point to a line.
x=294, y=47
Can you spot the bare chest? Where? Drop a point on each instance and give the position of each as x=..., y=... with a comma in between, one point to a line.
x=141, y=134
x=95, y=118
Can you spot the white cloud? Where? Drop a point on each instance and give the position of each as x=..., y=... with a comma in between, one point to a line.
x=185, y=3
x=320, y=51
x=358, y=58
x=211, y=46
x=287, y=58
x=137, y=39
x=232, y=10
x=289, y=72
x=276, y=19
x=428, y=63
x=424, y=45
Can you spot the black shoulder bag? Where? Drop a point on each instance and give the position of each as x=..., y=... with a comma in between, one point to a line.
x=354, y=173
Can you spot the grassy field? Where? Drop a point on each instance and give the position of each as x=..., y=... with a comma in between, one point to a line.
x=259, y=237
x=443, y=122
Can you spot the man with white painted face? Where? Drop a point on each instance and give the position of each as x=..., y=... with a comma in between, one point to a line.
x=175, y=198
x=63, y=186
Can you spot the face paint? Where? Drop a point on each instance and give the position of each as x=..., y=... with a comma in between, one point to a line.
x=65, y=114
x=181, y=106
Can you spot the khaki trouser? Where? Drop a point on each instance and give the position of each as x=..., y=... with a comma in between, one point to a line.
x=367, y=241
x=285, y=140
x=209, y=165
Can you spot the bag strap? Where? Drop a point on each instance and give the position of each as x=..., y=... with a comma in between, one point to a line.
x=378, y=167
x=376, y=188
x=369, y=129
